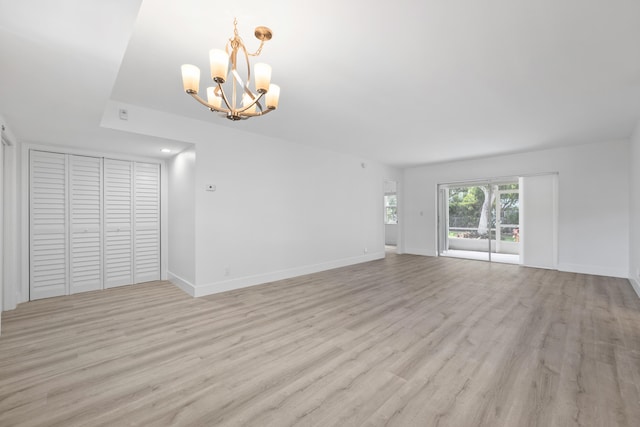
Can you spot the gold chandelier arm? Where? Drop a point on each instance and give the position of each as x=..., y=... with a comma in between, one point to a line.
x=246, y=85
x=255, y=101
x=268, y=110
x=256, y=114
x=240, y=114
x=206, y=104
x=224, y=98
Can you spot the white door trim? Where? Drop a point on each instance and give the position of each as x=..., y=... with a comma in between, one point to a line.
x=23, y=224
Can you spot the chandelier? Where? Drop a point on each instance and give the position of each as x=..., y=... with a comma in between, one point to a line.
x=242, y=102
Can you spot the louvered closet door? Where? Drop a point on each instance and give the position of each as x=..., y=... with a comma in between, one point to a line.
x=118, y=221
x=48, y=225
x=85, y=216
x=147, y=222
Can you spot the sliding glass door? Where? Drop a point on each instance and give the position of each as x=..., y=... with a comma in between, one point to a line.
x=468, y=211
x=505, y=213
x=479, y=220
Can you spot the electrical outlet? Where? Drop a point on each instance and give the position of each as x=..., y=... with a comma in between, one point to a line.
x=124, y=114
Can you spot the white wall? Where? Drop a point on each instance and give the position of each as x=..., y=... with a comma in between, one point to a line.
x=2, y=239
x=593, y=224
x=282, y=209
x=181, y=211
x=634, y=198
x=10, y=238
x=539, y=221
x=391, y=234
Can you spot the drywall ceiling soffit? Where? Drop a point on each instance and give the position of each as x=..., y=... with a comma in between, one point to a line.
x=416, y=82
x=60, y=62
x=413, y=82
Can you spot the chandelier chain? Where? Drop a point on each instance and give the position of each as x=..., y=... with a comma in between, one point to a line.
x=259, y=51
x=237, y=41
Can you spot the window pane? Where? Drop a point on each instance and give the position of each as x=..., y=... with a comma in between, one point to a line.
x=390, y=209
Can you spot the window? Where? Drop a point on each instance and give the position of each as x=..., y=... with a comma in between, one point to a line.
x=390, y=209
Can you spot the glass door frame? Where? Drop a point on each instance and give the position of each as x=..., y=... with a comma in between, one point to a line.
x=442, y=220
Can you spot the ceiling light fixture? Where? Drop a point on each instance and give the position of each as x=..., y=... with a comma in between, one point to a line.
x=217, y=99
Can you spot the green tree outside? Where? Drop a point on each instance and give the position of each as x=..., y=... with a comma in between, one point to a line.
x=466, y=206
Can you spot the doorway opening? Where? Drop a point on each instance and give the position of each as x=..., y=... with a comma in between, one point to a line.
x=480, y=220
x=390, y=216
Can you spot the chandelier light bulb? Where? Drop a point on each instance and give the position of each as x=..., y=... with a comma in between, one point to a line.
x=246, y=100
x=263, y=77
x=213, y=98
x=190, y=78
x=273, y=96
x=219, y=65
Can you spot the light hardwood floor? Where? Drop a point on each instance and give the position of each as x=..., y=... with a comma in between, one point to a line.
x=405, y=341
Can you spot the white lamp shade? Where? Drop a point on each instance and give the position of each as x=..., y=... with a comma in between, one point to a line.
x=262, y=76
x=273, y=96
x=212, y=98
x=190, y=78
x=246, y=100
x=219, y=65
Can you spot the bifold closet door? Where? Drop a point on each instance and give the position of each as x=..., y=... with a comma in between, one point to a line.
x=147, y=222
x=94, y=223
x=48, y=225
x=85, y=216
x=118, y=223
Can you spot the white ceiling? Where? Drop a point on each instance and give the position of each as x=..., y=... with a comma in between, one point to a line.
x=403, y=83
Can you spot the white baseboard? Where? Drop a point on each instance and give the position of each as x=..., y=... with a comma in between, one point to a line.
x=244, y=282
x=593, y=270
x=416, y=251
x=185, y=285
x=636, y=286
x=543, y=267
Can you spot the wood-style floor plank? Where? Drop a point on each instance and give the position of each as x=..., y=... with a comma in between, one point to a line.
x=404, y=341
